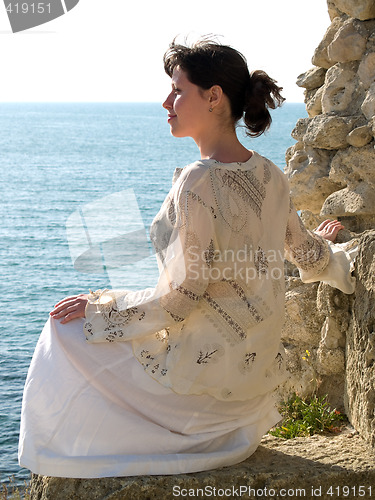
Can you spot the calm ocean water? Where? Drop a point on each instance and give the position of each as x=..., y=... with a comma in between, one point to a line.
x=54, y=159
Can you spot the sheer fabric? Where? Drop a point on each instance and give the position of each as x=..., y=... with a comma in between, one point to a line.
x=179, y=378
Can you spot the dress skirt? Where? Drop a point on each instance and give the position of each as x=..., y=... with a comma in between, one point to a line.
x=90, y=410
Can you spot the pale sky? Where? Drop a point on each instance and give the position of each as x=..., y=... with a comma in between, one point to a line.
x=111, y=50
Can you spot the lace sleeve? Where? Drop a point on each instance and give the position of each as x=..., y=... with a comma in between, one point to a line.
x=318, y=259
x=125, y=315
x=308, y=251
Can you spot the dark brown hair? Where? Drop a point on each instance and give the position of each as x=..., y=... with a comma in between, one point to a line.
x=208, y=63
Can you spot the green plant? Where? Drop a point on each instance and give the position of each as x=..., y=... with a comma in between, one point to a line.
x=13, y=492
x=305, y=417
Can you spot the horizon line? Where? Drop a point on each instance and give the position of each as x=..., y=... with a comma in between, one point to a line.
x=107, y=102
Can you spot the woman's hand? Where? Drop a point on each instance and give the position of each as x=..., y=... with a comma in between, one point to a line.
x=70, y=308
x=328, y=229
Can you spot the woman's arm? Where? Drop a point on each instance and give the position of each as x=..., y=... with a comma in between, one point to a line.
x=125, y=315
x=316, y=256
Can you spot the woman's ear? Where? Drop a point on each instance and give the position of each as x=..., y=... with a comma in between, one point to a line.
x=215, y=95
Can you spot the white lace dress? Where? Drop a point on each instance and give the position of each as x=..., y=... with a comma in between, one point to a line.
x=179, y=378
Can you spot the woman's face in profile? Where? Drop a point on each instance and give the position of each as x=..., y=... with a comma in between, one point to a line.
x=188, y=107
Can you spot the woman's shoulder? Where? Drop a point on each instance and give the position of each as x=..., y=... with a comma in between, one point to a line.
x=192, y=174
x=198, y=167
x=271, y=170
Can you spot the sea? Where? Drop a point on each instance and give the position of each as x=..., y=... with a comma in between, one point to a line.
x=57, y=162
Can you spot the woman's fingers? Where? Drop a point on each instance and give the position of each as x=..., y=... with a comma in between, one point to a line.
x=70, y=308
x=329, y=224
x=64, y=301
x=63, y=304
x=329, y=229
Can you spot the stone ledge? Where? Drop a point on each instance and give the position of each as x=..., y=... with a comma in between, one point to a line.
x=298, y=465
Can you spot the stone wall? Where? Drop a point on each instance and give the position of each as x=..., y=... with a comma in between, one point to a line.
x=331, y=169
x=360, y=345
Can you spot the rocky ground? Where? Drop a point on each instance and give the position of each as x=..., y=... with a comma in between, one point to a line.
x=322, y=466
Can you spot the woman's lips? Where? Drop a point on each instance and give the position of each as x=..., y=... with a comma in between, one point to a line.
x=170, y=117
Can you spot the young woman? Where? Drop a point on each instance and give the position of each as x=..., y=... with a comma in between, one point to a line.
x=179, y=378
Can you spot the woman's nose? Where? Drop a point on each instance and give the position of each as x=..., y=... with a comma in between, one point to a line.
x=167, y=104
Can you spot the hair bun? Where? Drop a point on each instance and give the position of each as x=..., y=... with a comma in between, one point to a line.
x=263, y=94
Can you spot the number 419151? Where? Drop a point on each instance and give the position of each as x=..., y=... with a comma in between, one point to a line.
x=345, y=491
x=29, y=8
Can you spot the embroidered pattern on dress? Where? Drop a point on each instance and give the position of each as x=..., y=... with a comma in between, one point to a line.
x=184, y=291
x=241, y=293
x=172, y=213
x=261, y=262
x=267, y=171
x=279, y=359
x=209, y=254
x=113, y=334
x=276, y=367
x=181, y=298
x=210, y=354
x=233, y=324
x=175, y=317
x=88, y=328
x=148, y=362
x=114, y=316
x=203, y=358
x=311, y=253
x=196, y=197
x=246, y=365
x=250, y=357
x=304, y=248
x=288, y=236
x=246, y=185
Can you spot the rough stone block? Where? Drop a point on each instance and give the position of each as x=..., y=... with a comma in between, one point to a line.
x=347, y=202
x=360, y=350
x=328, y=132
x=300, y=129
x=352, y=166
x=307, y=170
x=320, y=57
x=313, y=101
x=368, y=106
x=333, y=11
x=349, y=43
x=360, y=136
x=360, y=9
x=341, y=93
x=366, y=70
x=302, y=377
x=336, y=306
x=330, y=361
x=318, y=466
x=312, y=79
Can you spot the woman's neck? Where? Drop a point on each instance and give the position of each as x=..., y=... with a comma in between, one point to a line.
x=224, y=148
